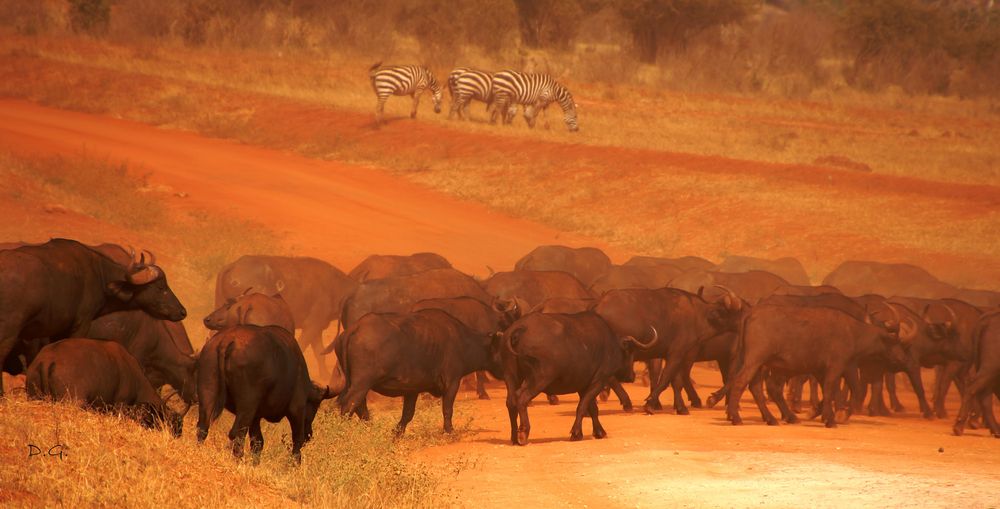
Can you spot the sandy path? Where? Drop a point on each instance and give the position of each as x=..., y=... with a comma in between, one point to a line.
x=701, y=460
x=334, y=211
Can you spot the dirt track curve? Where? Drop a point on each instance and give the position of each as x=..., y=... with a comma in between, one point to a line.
x=342, y=212
x=334, y=211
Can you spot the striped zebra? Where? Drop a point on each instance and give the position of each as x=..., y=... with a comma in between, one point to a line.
x=468, y=84
x=535, y=92
x=409, y=80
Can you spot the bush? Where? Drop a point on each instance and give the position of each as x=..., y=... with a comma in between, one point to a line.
x=90, y=16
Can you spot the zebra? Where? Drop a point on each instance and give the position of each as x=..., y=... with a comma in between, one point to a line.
x=535, y=92
x=467, y=84
x=409, y=80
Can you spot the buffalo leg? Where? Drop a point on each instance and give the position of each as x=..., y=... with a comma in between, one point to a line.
x=587, y=398
x=481, y=385
x=409, y=408
x=913, y=372
x=738, y=384
x=552, y=398
x=986, y=407
x=354, y=400
x=774, y=390
x=599, y=432
x=757, y=390
x=654, y=368
x=297, y=422
x=448, y=405
x=943, y=377
x=605, y=393
x=890, y=388
x=795, y=385
x=831, y=386
x=256, y=440
x=524, y=396
x=241, y=425
x=622, y=395
x=675, y=362
x=876, y=405
x=312, y=337
x=979, y=385
x=691, y=392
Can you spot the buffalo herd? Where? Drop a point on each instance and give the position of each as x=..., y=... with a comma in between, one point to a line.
x=100, y=324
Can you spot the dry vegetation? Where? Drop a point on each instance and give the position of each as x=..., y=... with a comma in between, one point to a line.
x=109, y=460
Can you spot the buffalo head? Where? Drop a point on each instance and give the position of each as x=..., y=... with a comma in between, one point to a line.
x=728, y=311
x=939, y=329
x=145, y=287
x=316, y=396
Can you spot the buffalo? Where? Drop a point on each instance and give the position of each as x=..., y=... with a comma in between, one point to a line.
x=161, y=347
x=55, y=290
x=481, y=318
x=101, y=375
x=686, y=322
x=252, y=309
x=397, y=294
x=857, y=278
x=751, y=286
x=620, y=277
x=685, y=263
x=257, y=373
x=789, y=269
x=981, y=298
x=383, y=266
x=314, y=290
x=805, y=339
x=405, y=354
x=586, y=264
x=986, y=383
x=562, y=354
x=534, y=287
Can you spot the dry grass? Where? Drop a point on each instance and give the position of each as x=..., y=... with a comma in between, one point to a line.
x=97, y=200
x=111, y=461
x=661, y=202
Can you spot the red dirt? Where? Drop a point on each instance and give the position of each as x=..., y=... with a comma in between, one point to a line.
x=341, y=212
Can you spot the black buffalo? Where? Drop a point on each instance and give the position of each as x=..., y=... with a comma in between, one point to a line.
x=480, y=318
x=787, y=268
x=856, y=278
x=397, y=294
x=162, y=348
x=685, y=321
x=405, y=354
x=55, y=290
x=314, y=290
x=101, y=375
x=257, y=373
x=620, y=277
x=252, y=309
x=805, y=339
x=563, y=354
x=383, y=266
x=533, y=287
x=684, y=263
x=986, y=382
x=751, y=286
x=586, y=264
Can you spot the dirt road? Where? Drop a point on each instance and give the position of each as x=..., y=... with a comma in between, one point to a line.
x=701, y=460
x=334, y=211
x=342, y=212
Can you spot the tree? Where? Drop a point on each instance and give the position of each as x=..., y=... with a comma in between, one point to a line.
x=672, y=23
x=550, y=23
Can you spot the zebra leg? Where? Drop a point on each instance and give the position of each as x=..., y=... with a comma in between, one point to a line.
x=499, y=105
x=380, y=109
x=416, y=102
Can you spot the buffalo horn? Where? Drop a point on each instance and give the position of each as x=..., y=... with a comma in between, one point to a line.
x=732, y=300
x=146, y=274
x=644, y=346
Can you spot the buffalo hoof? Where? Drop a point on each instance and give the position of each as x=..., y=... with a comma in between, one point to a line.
x=576, y=436
x=957, y=430
x=522, y=438
x=941, y=413
x=974, y=423
x=831, y=424
x=649, y=409
x=553, y=399
x=898, y=408
x=711, y=401
x=483, y=395
x=696, y=403
x=654, y=404
x=792, y=419
x=600, y=433
x=627, y=407
x=928, y=415
x=996, y=434
x=771, y=421
x=683, y=411
x=737, y=421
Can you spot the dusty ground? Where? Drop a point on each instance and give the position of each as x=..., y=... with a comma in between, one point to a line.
x=342, y=212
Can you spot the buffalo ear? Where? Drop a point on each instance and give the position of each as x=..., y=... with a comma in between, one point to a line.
x=121, y=290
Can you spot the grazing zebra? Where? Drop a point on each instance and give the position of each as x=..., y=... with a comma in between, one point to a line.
x=468, y=84
x=535, y=92
x=408, y=80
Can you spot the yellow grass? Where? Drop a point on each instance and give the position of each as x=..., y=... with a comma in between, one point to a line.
x=109, y=460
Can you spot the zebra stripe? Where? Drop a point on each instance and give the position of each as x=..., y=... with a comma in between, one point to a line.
x=535, y=92
x=471, y=84
x=409, y=80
